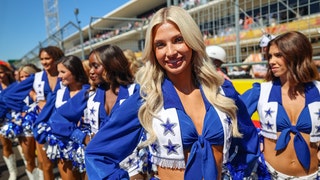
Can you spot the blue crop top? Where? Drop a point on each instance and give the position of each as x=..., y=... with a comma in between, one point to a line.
x=266, y=98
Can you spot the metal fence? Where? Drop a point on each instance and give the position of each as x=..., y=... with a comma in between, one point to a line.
x=236, y=25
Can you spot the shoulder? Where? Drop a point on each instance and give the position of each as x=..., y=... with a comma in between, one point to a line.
x=133, y=87
x=229, y=89
x=256, y=87
x=316, y=83
x=227, y=84
x=39, y=74
x=131, y=105
x=257, y=84
x=85, y=86
x=61, y=90
x=264, y=85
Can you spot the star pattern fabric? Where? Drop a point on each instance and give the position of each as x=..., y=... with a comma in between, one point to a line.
x=168, y=127
x=39, y=86
x=92, y=111
x=269, y=125
x=171, y=148
x=93, y=122
x=268, y=112
x=155, y=147
x=130, y=161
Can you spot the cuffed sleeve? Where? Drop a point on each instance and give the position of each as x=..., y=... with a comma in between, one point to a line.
x=247, y=147
x=17, y=92
x=251, y=97
x=244, y=151
x=78, y=136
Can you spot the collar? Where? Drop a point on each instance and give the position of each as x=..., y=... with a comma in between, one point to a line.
x=123, y=92
x=171, y=98
x=311, y=92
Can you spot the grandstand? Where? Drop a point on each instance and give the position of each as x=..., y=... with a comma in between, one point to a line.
x=236, y=25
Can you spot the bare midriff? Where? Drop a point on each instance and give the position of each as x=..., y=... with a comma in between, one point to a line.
x=286, y=161
x=178, y=174
x=169, y=174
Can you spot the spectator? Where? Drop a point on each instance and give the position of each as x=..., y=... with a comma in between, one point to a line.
x=258, y=70
x=248, y=21
x=218, y=56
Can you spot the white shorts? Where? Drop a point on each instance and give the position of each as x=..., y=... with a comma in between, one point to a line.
x=280, y=176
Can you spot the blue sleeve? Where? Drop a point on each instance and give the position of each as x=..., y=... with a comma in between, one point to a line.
x=43, y=117
x=64, y=121
x=246, y=149
x=3, y=104
x=17, y=92
x=251, y=97
x=244, y=152
x=60, y=126
x=78, y=136
x=3, y=108
x=73, y=109
x=114, y=141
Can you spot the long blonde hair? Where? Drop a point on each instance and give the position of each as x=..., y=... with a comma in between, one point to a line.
x=151, y=75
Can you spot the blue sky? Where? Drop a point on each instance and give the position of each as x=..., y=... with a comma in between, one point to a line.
x=23, y=22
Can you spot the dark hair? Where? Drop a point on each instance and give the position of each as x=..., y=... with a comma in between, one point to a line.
x=53, y=51
x=296, y=50
x=74, y=65
x=115, y=64
x=9, y=73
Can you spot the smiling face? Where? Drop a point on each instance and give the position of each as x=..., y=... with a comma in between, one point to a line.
x=171, y=51
x=277, y=62
x=46, y=61
x=96, y=70
x=67, y=78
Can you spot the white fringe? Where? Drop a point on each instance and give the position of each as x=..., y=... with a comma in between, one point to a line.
x=169, y=163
